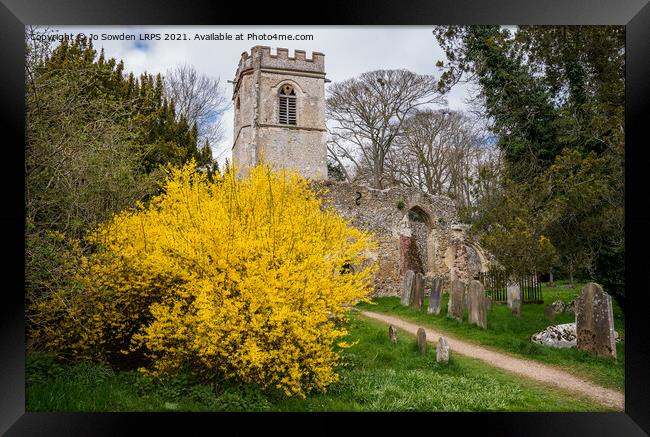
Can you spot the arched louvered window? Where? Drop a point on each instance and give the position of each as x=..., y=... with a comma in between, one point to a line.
x=287, y=105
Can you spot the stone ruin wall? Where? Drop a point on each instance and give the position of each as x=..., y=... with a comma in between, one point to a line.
x=377, y=212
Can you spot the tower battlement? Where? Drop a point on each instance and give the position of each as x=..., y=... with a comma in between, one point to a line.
x=280, y=61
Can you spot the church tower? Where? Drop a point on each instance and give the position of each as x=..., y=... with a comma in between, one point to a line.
x=279, y=106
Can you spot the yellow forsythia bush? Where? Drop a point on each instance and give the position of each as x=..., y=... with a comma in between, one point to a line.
x=234, y=278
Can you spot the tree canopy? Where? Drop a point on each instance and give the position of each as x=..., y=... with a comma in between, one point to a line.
x=554, y=98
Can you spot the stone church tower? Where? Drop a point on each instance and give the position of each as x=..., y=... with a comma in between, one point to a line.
x=280, y=111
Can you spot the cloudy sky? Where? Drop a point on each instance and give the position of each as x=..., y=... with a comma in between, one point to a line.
x=349, y=51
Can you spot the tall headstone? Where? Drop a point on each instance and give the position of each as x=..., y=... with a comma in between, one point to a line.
x=516, y=307
x=417, y=300
x=476, y=304
x=407, y=288
x=422, y=340
x=434, y=297
x=442, y=351
x=456, y=306
x=488, y=302
x=392, y=334
x=513, y=292
x=595, y=321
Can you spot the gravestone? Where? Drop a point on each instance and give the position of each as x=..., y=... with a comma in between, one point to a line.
x=476, y=304
x=456, y=306
x=514, y=292
x=417, y=301
x=595, y=321
x=488, y=302
x=392, y=334
x=442, y=351
x=407, y=288
x=516, y=307
x=434, y=297
x=422, y=341
x=549, y=312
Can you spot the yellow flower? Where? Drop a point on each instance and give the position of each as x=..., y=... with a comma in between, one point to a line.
x=234, y=277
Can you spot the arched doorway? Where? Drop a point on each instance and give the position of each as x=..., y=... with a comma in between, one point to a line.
x=417, y=241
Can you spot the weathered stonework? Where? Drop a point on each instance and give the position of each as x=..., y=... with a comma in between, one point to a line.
x=399, y=239
x=407, y=289
x=513, y=293
x=392, y=334
x=595, y=321
x=477, y=304
x=418, y=296
x=434, y=297
x=455, y=306
x=442, y=351
x=422, y=340
x=258, y=134
x=414, y=230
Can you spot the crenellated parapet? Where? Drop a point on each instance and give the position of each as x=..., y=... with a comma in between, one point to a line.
x=279, y=62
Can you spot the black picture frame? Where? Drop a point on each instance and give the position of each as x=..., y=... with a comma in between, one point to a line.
x=14, y=14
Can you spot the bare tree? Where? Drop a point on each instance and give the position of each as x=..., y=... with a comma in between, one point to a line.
x=199, y=98
x=445, y=152
x=367, y=113
x=420, y=158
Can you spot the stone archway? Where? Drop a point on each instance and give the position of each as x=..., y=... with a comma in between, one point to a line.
x=481, y=258
x=417, y=241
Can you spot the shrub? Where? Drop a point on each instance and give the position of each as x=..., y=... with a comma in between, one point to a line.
x=233, y=278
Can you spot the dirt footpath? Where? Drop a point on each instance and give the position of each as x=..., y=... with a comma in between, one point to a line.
x=526, y=368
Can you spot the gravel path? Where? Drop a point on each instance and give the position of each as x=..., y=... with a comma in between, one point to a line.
x=526, y=368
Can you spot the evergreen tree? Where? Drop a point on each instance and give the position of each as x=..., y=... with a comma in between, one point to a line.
x=554, y=95
x=96, y=141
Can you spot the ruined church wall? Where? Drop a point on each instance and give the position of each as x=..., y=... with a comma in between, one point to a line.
x=377, y=212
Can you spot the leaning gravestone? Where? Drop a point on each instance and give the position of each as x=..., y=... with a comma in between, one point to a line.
x=417, y=301
x=442, y=351
x=476, y=305
x=407, y=291
x=434, y=297
x=516, y=307
x=456, y=306
x=514, y=292
x=488, y=303
x=549, y=312
x=422, y=341
x=595, y=321
x=392, y=334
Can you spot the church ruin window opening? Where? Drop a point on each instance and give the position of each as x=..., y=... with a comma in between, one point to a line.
x=287, y=105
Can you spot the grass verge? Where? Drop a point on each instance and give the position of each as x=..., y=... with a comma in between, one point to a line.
x=378, y=376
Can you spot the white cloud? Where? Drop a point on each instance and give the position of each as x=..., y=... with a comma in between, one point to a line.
x=349, y=51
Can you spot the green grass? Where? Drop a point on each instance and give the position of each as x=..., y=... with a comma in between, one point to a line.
x=378, y=376
x=512, y=335
x=91, y=387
